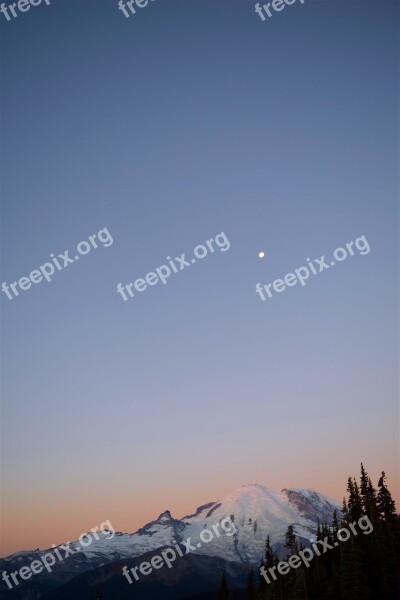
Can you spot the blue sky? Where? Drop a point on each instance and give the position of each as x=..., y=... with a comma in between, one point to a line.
x=167, y=128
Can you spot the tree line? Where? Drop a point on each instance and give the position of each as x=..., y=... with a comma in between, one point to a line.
x=364, y=567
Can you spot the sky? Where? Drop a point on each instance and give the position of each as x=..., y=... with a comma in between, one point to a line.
x=167, y=128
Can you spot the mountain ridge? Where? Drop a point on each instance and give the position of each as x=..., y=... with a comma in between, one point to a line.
x=250, y=513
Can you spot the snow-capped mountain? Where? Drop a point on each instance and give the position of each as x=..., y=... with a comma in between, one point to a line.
x=255, y=510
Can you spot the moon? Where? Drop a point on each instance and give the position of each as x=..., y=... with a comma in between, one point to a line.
x=261, y=254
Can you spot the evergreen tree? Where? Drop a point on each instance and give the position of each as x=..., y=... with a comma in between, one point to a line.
x=265, y=590
x=290, y=541
x=223, y=589
x=251, y=586
x=335, y=523
x=354, y=504
x=319, y=534
x=270, y=558
x=266, y=562
x=387, y=539
x=364, y=487
x=299, y=591
x=345, y=513
x=350, y=573
x=385, y=502
x=368, y=495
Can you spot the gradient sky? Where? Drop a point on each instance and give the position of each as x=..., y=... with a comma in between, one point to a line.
x=167, y=128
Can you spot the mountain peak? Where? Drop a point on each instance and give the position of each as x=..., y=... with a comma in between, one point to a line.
x=165, y=516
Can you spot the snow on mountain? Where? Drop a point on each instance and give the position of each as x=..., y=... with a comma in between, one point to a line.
x=258, y=511
x=154, y=535
x=255, y=510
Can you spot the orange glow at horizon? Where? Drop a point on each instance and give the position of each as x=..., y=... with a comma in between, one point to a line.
x=63, y=515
